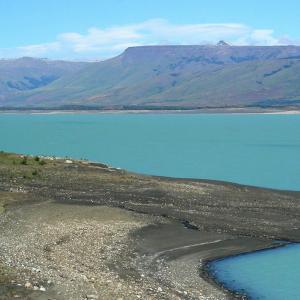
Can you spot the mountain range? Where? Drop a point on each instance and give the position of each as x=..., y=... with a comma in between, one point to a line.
x=158, y=77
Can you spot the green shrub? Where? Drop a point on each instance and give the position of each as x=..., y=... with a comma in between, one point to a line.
x=42, y=162
x=24, y=160
x=34, y=173
x=36, y=158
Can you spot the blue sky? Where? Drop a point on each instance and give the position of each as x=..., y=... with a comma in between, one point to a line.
x=96, y=29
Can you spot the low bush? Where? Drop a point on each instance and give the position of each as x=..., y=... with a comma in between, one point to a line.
x=42, y=162
x=24, y=161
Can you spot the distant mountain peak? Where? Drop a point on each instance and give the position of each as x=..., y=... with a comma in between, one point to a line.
x=222, y=43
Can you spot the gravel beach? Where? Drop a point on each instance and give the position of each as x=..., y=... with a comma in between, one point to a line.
x=81, y=230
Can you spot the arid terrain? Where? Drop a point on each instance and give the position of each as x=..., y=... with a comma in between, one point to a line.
x=82, y=230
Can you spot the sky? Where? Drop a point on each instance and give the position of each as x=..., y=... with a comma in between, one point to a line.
x=99, y=29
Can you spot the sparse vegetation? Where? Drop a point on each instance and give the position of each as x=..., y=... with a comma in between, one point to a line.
x=42, y=162
x=24, y=160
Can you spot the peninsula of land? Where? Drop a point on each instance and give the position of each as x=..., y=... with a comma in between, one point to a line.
x=83, y=230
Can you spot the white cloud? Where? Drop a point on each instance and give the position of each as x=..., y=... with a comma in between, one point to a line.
x=106, y=42
x=37, y=50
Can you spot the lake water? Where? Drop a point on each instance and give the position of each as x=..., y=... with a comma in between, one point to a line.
x=261, y=150
x=269, y=275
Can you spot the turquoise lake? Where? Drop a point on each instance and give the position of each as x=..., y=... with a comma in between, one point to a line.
x=260, y=150
x=269, y=275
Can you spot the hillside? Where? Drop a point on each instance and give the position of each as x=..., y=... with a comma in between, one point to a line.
x=26, y=73
x=176, y=76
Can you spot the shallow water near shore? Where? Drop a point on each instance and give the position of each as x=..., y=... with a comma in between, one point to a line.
x=260, y=150
x=269, y=275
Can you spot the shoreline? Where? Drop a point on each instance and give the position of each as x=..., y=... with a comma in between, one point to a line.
x=77, y=183
x=229, y=111
x=203, y=254
x=207, y=272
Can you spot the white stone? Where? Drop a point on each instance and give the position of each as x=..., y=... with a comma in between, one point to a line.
x=28, y=285
x=91, y=297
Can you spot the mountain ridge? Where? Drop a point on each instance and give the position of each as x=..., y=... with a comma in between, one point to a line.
x=176, y=76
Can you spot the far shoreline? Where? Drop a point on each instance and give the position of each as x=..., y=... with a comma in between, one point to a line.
x=229, y=111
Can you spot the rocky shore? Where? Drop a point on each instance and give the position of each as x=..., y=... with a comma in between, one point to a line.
x=81, y=230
